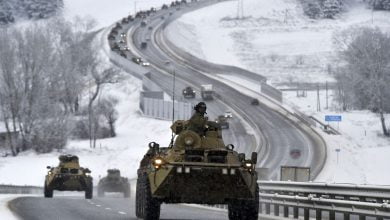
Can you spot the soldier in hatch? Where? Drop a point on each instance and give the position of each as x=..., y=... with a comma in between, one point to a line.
x=198, y=121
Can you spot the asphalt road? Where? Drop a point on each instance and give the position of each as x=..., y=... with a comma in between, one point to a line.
x=278, y=135
x=112, y=207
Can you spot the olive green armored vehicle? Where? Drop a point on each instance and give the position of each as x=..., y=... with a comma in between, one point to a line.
x=114, y=182
x=197, y=168
x=68, y=176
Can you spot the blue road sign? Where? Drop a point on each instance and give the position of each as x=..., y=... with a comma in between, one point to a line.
x=332, y=117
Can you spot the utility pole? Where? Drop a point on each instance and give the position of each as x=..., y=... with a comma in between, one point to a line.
x=326, y=88
x=318, y=98
x=240, y=9
x=173, y=94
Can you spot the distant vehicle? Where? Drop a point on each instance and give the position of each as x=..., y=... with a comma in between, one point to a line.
x=228, y=114
x=122, y=41
x=189, y=92
x=139, y=60
x=130, y=18
x=123, y=54
x=114, y=182
x=125, y=48
x=123, y=35
x=68, y=176
x=150, y=28
x=125, y=20
x=115, y=46
x=118, y=26
x=144, y=45
x=143, y=23
x=111, y=37
x=207, y=92
x=295, y=153
x=162, y=17
x=114, y=31
x=222, y=122
x=255, y=101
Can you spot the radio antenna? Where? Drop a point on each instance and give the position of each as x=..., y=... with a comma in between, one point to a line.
x=173, y=103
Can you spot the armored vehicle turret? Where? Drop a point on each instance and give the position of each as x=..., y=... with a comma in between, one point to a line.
x=68, y=176
x=197, y=168
x=114, y=182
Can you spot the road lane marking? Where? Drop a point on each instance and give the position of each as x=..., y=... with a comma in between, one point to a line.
x=122, y=213
x=98, y=205
x=108, y=208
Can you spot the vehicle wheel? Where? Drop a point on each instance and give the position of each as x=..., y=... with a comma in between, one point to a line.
x=138, y=199
x=150, y=207
x=89, y=190
x=47, y=191
x=100, y=192
x=244, y=209
x=126, y=192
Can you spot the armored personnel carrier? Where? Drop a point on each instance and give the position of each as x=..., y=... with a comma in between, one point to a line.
x=113, y=182
x=197, y=168
x=68, y=176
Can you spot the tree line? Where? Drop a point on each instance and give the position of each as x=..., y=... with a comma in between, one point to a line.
x=316, y=9
x=363, y=75
x=51, y=79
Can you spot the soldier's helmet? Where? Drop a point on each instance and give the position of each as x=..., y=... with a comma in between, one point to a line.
x=200, y=107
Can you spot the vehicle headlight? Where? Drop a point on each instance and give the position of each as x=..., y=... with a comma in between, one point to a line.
x=88, y=174
x=158, y=162
x=248, y=165
x=188, y=140
x=49, y=172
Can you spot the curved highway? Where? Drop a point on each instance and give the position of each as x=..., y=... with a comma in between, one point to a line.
x=279, y=136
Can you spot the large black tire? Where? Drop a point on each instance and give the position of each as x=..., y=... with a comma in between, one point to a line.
x=139, y=199
x=100, y=191
x=149, y=207
x=126, y=191
x=244, y=209
x=89, y=190
x=47, y=191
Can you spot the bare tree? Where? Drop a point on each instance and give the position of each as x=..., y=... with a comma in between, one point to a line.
x=9, y=90
x=106, y=108
x=366, y=70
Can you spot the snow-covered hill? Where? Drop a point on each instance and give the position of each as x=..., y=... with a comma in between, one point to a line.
x=276, y=40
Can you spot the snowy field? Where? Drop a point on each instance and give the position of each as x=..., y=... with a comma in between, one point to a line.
x=5, y=213
x=276, y=40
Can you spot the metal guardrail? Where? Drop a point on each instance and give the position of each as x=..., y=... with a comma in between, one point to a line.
x=347, y=199
x=13, y=189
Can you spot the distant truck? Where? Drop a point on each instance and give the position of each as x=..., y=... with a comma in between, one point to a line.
x=207, y=92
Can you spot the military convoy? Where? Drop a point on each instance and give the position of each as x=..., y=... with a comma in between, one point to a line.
x=114, y=182
x=68, y=176
x=198, y=169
